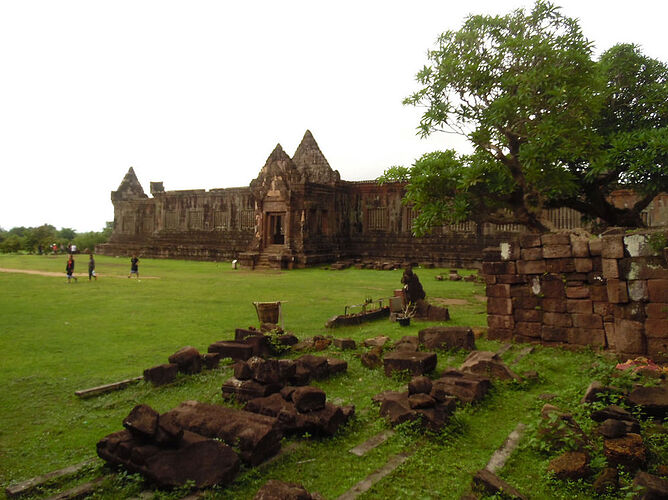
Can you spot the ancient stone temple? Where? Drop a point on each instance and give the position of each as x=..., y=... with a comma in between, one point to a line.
x=296, y=213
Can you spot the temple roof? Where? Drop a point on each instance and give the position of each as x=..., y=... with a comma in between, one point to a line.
x=312, y=163
x=130, y=188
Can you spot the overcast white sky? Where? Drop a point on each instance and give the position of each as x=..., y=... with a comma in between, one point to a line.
x=198, y=93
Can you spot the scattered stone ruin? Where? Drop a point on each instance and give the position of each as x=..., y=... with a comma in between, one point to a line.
x=567, y=288
x=298, y=212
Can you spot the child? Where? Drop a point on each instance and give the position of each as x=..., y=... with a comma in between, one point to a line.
x=134, y=266
x=91, y=268
x=69, y=269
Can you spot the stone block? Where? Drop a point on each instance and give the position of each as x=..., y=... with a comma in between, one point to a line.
x=416, y=363
x=658, y=290
x=579, y=306
x=657, y=349
x=529, y=329
x=500, y=321
x=595, y=246
x=161, y=374
x=509, y=278
x=610, y=268
x=559, y=266
x=234, y=350
x=638, y=290
x=419, y=385
x=308, y=399
x=554, y=334
x=554, y=305
x=657, y=310
x=628, y=336
x=552, y=287
x=562, y=239
x=506, y=267
x=577, y=292
x=519, y=291
x=396, y=304
x=557, y=319
x=500, y=290
x=587, y=321
x=617, y=291
x=245, y=390
x=603, y=308
x=142, y=421
x=634, y=311
x=580, y=246
x=526, y=303
x=648, y=269
x=652, y=400
x=535, y=315
x=612, y=246
x=556, y=251
x=345, y=343
x=583, y=265
x=598, y=293
x=487, y=364
x=468, y=388
x=535, y=253
x=188, y=359
x=499, y=334
x=637, y=245
x=531, y=266
x=528, y=240
x=656, y=328
x=499, y=305
x=443, y=337
x=587, y=336
x=335, y=365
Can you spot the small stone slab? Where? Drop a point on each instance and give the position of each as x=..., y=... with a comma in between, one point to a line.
x=27, y=486
x=101, y=389
x=234, y=350
x=417, y=363
x=161, y=374
x=371, y=443
x=366, y=483
x=80, y=491
x=501, y=456
x=524, y=352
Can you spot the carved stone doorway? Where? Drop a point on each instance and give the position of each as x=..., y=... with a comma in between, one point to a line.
x=276, y=229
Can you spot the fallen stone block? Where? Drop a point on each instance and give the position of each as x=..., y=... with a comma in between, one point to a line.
x=335, y=365
x=419, y=385
x=234, y=350
x=210, y=360
x=466, y=387
x=278, y=490
x=317, y=366
x=161, y=374
x=244, y=390
x=408, y=343
x=345, y=343
x=650, y=487
x=416, y=363
x=265, y=371
x=256, y=436
x=652, y=400
x=570, y=465
x=142, y=421
x=444, y=337
x=488, y=364
x=373, y=358
x=308, y=399
x=188, y=359
x=628, y=451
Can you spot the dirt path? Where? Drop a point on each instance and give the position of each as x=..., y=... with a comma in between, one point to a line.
x=78, y=275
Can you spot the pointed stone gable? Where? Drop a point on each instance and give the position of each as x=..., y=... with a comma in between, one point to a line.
x=279, y=168
x=312, y=163
x=129, y=189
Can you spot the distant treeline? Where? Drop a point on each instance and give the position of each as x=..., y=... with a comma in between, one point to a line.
x=31, y=239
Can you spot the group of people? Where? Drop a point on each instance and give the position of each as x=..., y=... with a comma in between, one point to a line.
x=69, y=268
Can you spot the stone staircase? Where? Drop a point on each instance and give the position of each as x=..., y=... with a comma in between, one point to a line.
x=264, y=262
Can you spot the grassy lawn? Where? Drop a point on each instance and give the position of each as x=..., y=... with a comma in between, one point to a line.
x=56, y=338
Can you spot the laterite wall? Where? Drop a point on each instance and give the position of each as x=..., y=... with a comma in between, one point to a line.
x=567, y=288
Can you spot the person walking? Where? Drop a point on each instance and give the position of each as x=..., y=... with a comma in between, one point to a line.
x=91, y=268
x=69, y=269
x=134, y=266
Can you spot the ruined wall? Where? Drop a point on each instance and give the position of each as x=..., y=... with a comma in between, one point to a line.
x=194, y=224
x=565, y=288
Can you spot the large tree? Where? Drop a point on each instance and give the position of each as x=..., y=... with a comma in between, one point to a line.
x=525, y=91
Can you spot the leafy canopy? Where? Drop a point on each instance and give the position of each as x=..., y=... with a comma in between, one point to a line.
x=525, y=91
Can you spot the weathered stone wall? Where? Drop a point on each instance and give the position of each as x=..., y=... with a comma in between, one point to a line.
x=568, y=288
x=194, y=224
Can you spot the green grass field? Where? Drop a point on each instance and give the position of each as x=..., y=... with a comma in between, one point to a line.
x=56, y=338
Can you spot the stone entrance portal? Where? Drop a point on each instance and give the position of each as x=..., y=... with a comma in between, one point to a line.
x=276, y=228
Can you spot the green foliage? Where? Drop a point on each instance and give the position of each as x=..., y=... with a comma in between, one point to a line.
x=549, y=125
x=657, y=242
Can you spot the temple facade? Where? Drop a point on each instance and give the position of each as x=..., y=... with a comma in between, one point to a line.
x=296, y=213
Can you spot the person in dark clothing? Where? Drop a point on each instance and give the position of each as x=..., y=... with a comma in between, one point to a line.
x=69, y=269
x=134, y=267
x=91, y=268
